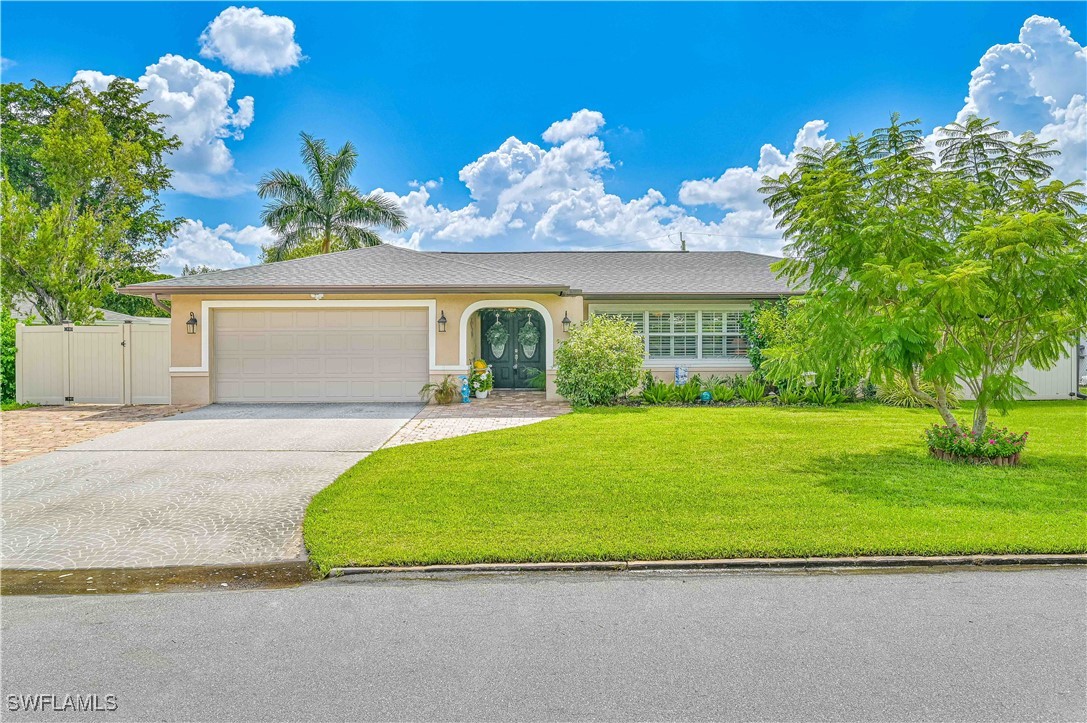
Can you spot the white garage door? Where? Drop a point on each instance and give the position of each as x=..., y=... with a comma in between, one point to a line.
x=334, y=355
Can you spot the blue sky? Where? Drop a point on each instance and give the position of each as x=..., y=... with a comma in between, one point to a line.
x=675, y=111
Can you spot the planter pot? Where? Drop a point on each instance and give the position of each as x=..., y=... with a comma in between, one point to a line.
x=483, y=394
x=1009, y=461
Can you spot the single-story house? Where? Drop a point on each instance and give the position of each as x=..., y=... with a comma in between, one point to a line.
x=375, y=324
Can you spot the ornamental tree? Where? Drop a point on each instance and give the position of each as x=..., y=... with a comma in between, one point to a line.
x=951, y=271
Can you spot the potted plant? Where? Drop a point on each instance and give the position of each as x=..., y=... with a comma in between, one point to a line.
x=443, y=392
x=481, y=381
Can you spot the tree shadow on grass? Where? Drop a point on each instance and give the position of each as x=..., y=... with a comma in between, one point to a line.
x=1051, y=484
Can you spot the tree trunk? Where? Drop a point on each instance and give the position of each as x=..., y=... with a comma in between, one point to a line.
x=981, y=420
x=326, y=243
x=939, y=402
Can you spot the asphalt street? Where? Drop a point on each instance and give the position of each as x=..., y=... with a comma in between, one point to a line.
x=979, y=644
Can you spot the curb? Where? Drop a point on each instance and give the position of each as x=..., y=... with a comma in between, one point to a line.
x=740, y=563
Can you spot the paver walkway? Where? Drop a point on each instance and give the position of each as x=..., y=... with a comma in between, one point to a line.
x=500, y=410
x=26, y=433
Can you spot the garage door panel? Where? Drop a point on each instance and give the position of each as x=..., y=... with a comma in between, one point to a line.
x=416, y=319
x=320, y=355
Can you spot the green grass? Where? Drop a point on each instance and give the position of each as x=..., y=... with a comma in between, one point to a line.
x=13, y=406
x=654, y=483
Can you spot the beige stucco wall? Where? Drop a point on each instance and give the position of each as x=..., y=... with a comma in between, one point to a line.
x=194, y=387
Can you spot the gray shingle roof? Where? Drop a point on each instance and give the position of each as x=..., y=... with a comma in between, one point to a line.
x=376, y=267
x=641, y=273
x=592, y=273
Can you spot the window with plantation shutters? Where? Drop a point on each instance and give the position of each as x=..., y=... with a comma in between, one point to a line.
x=688, y=334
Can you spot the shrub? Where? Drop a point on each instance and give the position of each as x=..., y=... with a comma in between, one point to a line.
x=789, y=394
x=824, y=395
x=992, y=442
x=600, y=360
x=7, y=356
x=723, y=393
x=752, y=390
x=657, y=392
x=688, y=393
x=897, y=393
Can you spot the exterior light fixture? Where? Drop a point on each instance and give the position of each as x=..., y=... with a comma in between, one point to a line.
x=566, y=321
x=190, y=325
x=442, y=321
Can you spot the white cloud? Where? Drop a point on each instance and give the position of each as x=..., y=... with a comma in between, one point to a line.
x=737, y=189
x=248, y=41
x=531, y=196
x=197, y=103
x=1037, y=84
x=6, y=63
x=581, y=124
x=195, y=244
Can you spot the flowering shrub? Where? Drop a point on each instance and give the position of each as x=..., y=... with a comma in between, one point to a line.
x=481, y=380
x=599, y=361
x=992, y=442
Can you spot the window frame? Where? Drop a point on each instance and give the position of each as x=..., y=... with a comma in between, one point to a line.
x=645, y=309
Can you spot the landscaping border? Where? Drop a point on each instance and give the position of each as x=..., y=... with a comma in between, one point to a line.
x=744, y=563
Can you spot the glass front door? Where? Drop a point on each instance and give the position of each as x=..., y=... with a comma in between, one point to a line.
x=513, y=344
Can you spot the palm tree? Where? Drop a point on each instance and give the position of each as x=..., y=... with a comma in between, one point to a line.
x=324, y=209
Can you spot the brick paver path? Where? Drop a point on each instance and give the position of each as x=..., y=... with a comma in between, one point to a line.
x=501, y=410
x=26, y=433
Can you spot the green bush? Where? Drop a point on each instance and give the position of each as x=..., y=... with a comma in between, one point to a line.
x=824, y=395
x=689, y=393
x=722, y=393
x=789, y=394
x=7, y=356
x=600, y=361
x=752, y=390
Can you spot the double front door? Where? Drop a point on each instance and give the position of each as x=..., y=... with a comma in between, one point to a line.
x=513, y=344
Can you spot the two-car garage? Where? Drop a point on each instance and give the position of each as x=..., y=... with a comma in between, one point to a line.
x=319, y=355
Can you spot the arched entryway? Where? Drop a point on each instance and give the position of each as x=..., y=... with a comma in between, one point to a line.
x=513, y=341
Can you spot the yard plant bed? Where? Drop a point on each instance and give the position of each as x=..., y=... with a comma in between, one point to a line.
x=679, y=483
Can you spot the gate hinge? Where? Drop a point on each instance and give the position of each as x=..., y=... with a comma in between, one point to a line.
x=69, y=399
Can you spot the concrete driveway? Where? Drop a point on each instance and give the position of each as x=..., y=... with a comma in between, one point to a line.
x=218, y=485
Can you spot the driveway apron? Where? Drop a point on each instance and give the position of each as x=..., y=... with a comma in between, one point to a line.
x=224, y=484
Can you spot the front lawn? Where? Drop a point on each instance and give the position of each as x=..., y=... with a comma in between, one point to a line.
x=654, y=483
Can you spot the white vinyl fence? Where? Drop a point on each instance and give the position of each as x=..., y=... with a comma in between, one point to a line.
x=119, y=364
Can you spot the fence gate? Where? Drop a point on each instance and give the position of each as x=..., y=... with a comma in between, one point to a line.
x=122, y=364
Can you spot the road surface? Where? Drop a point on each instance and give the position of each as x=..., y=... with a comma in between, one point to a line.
x=994, y=645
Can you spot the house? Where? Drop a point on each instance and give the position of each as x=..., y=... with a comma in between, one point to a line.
x=375, y=324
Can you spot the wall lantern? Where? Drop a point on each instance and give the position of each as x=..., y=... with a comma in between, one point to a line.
x=190, y=325
x=566, y=321
x=442, y=321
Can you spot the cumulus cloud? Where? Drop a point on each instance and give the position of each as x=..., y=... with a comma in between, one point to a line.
x=248, y=41
x=581, y=124
x=737, y=189
x=1037, y=84
x=197, y=104
x=528, y=195
x=195, y=244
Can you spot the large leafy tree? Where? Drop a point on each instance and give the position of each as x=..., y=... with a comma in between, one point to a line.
x=949, y=271
x=29, y=112
x=322, y=210
x=60, y=251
